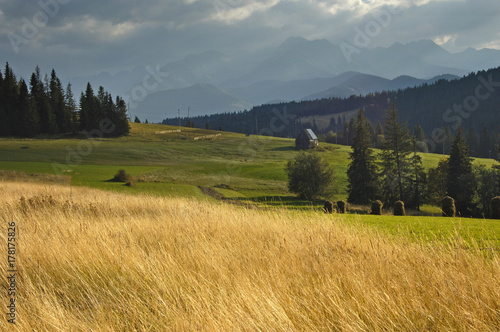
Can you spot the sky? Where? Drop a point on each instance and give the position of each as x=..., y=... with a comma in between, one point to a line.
x=89, y=37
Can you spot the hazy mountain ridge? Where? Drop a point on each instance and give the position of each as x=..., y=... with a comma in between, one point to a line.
x=295, y=70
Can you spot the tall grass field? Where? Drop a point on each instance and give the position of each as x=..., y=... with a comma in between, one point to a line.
x=93, y=260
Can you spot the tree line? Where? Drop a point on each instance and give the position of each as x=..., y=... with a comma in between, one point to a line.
x=443, y=105
x=43, y=106
x=397, y=172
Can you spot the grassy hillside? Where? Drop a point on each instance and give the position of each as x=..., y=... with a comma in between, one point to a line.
x=102, y=261
x=168, y=162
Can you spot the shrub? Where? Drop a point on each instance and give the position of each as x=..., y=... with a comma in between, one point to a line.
x=310, y=176
x=341, y=206
x=495, y=207
x=448, y=207
x=121, y=176
x=399, y=208
x=328, y=207
x=377, y=208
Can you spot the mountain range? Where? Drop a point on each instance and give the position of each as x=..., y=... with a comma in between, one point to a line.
x=298, y=69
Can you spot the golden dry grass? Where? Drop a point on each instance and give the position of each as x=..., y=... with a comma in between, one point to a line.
x=98, y=261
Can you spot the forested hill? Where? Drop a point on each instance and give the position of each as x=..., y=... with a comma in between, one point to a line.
x=472, y=101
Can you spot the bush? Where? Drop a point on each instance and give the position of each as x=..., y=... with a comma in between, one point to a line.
x=121, y=176
x=448, y=207
x=377, y=208
x=495, y=207
x=310, y=176
x=399, y=208
x=328, y=207
x=341, y=206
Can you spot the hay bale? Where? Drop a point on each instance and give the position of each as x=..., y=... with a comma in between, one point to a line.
x=495, y=207
x=377, y=208
x=328, y=207
x=448, y=207
x=399, y=208
x=341, y=207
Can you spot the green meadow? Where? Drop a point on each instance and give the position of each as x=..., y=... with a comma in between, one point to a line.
x=246, y=170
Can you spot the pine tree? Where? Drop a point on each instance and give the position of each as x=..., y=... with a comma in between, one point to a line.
x=362, y=172
x=395, y=158
x=461, y=184
x=137, y=120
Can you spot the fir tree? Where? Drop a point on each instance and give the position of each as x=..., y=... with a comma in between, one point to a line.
x=395, y=158
x=120, y=118
x=419, y=179
x=28, y=114
x=3, y=114
x=137, y=120
x=362, y=171
x=461, y=184
x=10, y=116
x=39, y=92
x=70, y=108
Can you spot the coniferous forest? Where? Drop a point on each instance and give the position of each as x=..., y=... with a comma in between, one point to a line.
x=43, y=107
x=434, y=110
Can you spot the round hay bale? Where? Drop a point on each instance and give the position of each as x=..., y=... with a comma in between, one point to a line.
x=377, y=208
x=341, y=207
x=495, y=207
x=448, y=207
x=328, y=207
x=399, y=208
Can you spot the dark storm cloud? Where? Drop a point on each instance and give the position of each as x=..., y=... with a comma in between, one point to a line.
x=91, y=36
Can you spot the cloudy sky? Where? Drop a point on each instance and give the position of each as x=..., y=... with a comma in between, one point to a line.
x=88, y=37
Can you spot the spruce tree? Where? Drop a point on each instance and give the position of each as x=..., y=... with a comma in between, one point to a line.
x=10, y=116
x=419, y=179
x=120, y=118
x=70, y=108
x=28, y=114
x=461, y=183
x=362, y=172
x=3, y=114
x=395, y=158
x=39, y=92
